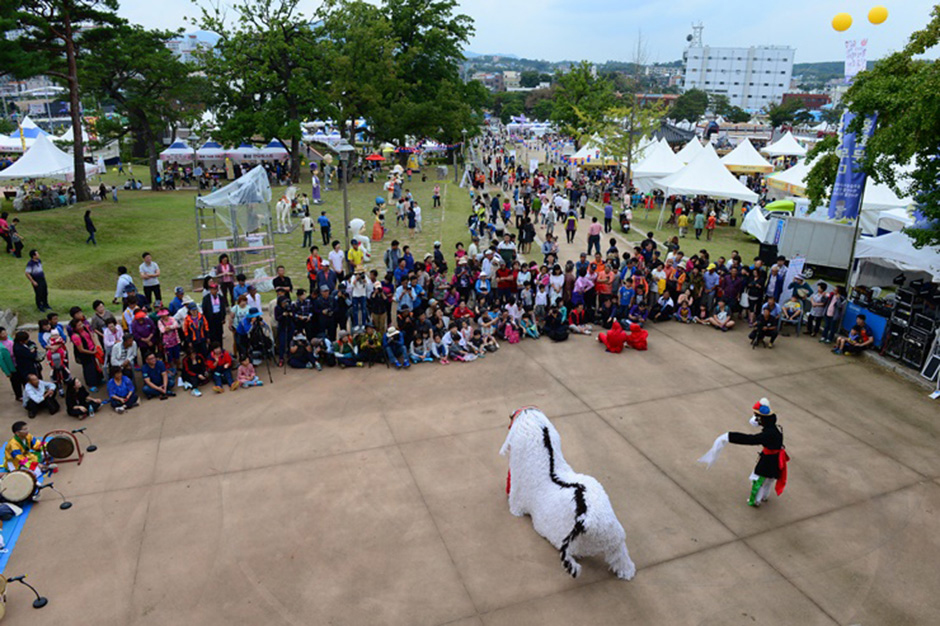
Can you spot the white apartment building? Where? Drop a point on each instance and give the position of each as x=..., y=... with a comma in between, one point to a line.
x=752, y=78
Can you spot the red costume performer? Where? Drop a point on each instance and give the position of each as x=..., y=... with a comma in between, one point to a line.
x=614, y=339
x=637, y=337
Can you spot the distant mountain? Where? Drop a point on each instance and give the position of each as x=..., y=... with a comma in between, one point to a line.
x=475, y=55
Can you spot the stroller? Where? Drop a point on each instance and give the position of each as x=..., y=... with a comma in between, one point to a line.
x=261, y=345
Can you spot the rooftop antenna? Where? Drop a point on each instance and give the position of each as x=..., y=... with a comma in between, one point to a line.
x=695, y=39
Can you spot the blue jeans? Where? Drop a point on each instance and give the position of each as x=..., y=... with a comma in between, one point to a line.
x=153, y=393
x=130, y=402
x=222, y=377
x=831, y=329
x=395, y=352
x=359, y=313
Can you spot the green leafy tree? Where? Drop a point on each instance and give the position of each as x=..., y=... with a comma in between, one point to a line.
x=132, y=68
x=689, y=106
x=543, y=110
x=359, y=47
x=46, y=38
x=529, y=79
x=624, y=128
x=429, y=38
x=265, y=70
x=904, y=90
x=823, y=173
x=737, y=115
x=719, y=104
x=784, y=113
x=581, y=101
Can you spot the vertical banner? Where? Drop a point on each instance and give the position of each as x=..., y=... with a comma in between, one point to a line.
x=850, y=180
x=854, y=58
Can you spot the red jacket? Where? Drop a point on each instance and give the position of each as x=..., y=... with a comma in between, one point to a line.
x=224, y=359
x=614, y=338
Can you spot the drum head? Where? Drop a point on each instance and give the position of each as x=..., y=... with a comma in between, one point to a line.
x=17, y=486
x=60, y=446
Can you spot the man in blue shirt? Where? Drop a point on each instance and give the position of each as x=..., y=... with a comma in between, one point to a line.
x=608, y=217
x=157, y=381
x=626, y=294
x=177, y=302
x=37, y=278
x=711, y=279
x=325, y=227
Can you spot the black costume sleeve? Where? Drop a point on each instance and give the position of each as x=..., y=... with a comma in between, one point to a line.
x=746, y=440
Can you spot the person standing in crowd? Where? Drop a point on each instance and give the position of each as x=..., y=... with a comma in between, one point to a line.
x=37, y=278
x=325, y=227
x=150, y=273
x=90, y=227
x=215, y=312
x=225, y=276
x=306, y=225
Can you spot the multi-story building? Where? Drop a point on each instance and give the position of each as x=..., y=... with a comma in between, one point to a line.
x=491, y=80
x=751, y=78
x=185, y=47
x=512, y=80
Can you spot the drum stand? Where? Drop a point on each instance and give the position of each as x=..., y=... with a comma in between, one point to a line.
x=80, y=455
x=40, y=601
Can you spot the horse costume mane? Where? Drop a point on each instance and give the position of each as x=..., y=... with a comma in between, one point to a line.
x=571, y=510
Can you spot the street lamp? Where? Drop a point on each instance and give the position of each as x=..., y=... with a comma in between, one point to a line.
x=345, y=151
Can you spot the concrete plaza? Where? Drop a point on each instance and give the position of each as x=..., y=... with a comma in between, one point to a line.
x=377, y=496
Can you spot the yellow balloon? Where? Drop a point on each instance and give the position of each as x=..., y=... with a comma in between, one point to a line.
x=878, y=15
x=842, y=21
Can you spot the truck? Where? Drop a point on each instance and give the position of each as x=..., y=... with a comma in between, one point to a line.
x=825, y=245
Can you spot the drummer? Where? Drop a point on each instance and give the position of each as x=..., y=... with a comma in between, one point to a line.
x=25, y=452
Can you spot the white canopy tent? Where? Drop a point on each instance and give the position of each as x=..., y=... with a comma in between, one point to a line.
x=690, y=150
x=785, y=146
x=211, y=151
x=879, y=204
x=883, y=257
x=706, y=176
x=45, y=160
x=244, y=152
x=659, y=161
x=177, y=152
x=69, y=135
x=274, y=151
x=745, y=159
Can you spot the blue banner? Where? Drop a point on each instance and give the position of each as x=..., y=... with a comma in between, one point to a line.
x=846, y=198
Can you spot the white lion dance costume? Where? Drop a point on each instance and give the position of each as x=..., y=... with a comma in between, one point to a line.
x=571, y=510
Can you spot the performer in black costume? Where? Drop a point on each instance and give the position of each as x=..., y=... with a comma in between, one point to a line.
x=771, y=468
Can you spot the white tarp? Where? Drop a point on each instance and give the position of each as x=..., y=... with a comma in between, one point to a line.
x=45, y=160
x=785, y=146
x=746, y=159
x=251, y=188
x=896, y=250
x=754, y=223
x=705, y=175
x=690, y=150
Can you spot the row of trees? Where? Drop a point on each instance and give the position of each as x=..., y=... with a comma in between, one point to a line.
x=395, y=64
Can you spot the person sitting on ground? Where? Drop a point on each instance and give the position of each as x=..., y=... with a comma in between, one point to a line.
x=39, y=394
x=684, y=314
x=78, y=402
x=702, y=317
x=528, y=326
x=614, y=339
x=419, y=352
x=121, y=392
x=859, y=339
x=765, y=328
x=345, y=351
x=157, y=380
x=195, y=372
x=639, y=313
x=721, y=320
x=664, y=308
x=637, y=337
x=370, y=345
x=394, y=345
x=577, y=320
x=300, y=353
x=246, y=374
x=220, y=365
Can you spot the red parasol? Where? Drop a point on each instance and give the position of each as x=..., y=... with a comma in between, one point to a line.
x=375, y=157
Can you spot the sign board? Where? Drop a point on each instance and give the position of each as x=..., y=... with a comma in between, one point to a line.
x=854, y=58
x=795, y=267
x=846, y=197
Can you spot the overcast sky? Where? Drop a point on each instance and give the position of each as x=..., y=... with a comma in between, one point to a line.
x=601, y=30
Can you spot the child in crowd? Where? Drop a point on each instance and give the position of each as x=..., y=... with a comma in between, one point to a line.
x=246, y=374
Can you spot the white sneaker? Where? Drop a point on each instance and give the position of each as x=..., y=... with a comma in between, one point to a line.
x=119, y=409
x=186, y=385
x=196, y=393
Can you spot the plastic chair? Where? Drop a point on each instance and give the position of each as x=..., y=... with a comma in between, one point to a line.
x=798, y=322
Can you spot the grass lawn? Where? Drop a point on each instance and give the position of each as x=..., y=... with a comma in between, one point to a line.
x=163, y=223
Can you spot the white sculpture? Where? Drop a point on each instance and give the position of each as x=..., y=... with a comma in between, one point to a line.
x=355, y=229
x=571, y=510
x=284, y=223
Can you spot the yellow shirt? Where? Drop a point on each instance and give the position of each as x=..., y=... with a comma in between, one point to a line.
x=683, y=221
x=355, y=256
